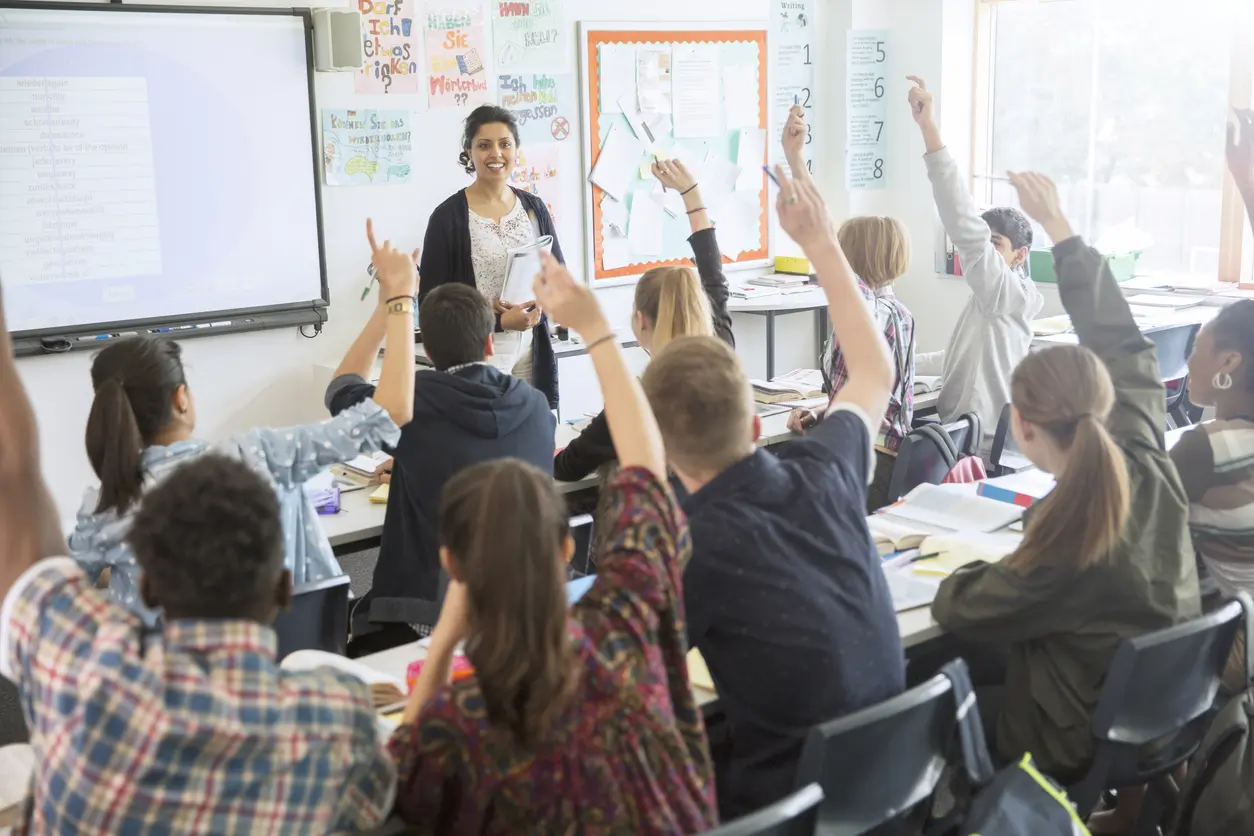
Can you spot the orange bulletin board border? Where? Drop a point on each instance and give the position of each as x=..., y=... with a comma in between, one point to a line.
x=593, y=36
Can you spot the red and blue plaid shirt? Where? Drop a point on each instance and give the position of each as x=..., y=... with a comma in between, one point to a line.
x=898, y=327
x=194, y=729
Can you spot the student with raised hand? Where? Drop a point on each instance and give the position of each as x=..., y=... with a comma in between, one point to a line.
x=878, y=251
x=994, y=331
x=785, y=595
x=140, y=430
x=1106, y=556
x=670, y=302
x=575, y=720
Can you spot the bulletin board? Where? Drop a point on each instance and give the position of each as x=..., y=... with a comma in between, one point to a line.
x=733, y=185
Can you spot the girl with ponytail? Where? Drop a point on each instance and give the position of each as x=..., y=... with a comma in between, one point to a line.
x=670, y=302
x=1106, y=555
x=141, y=427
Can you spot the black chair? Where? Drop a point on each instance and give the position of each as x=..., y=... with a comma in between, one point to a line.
x=581, y=530
x=1154, y=710
x=792, y=816
x=1174, y=345
x=880, y=763
x=930, y=451
x=317, y=619
x=1004, y=456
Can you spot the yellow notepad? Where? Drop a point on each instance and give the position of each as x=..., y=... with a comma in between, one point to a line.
x=698, y=673
x=380, y=495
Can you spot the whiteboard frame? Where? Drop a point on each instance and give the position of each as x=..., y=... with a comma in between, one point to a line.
x=588, y=156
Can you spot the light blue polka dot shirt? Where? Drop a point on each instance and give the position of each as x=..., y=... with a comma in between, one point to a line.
x=287, y=458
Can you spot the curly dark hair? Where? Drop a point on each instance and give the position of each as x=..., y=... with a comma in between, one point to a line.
x=1234, y=331
x=480, y=116
x=1010, y=224
x=210, y=541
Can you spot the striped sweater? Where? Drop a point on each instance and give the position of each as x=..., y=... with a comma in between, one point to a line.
x=1216, y=464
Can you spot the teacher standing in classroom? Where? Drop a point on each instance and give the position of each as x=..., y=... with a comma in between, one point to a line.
x=469, y=237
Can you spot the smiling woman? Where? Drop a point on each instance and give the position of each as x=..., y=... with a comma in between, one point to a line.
x=469, y=237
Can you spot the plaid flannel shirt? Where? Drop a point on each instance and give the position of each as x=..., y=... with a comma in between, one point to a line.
x=194, y=729
x=898, y=327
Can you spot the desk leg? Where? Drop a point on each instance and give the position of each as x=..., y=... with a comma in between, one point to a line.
x=770, y=345
x=820, y=334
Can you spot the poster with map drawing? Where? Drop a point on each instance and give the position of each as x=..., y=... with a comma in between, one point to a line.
x=366, y=147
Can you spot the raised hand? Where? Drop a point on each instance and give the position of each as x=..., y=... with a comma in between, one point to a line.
x=674, y=175
x=802, y=212
x=1241, y=152
x=795, y=132
x=570, y=302
x=922, y=108
x=1038, y=197
x=397, y=271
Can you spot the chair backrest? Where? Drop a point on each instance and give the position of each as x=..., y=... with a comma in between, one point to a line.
x=317, y=619
x=1159, y=682
x=581, y=530
x=878, y=763
x=796, y=815
x=1173, y=345
x=930, y=452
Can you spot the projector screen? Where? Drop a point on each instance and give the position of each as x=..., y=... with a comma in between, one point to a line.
x=155, y=166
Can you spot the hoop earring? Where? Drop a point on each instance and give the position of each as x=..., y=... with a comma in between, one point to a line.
x=1222, y=381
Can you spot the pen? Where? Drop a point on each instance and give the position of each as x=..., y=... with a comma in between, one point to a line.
x=796, y=100
x=921, y=557
x=771, y=174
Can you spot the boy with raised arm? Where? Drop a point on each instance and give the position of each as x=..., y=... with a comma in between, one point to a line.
x=994, y=331
x=193, y=727
x=785, y=596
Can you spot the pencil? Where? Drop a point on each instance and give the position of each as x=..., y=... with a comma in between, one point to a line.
x=771, y=174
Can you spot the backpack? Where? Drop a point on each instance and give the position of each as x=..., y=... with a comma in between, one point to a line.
x=1016, y=801
x=1218, y=795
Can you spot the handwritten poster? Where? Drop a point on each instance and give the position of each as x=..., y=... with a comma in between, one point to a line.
x=866, y=109
x=793, y=34
x=456, y=52
x=543, y=103
x=390, y=38
x=538, y=171
x=366, y=147
x=528, y=35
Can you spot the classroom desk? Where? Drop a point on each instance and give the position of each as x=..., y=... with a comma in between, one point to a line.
x=778, y=304
x=1161, y=319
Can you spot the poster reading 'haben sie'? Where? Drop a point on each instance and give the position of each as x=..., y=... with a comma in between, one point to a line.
x=456, y=52
x=390, y=37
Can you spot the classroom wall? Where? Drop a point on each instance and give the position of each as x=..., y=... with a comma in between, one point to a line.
x=267, y=378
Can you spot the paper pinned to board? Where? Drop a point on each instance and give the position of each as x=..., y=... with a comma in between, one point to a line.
x=653, y=79
x=616, y=165
x=671, y=201
x=740, y=96
x=644, y=227
x=696, y=90
x=618, y=76
x=750, y=156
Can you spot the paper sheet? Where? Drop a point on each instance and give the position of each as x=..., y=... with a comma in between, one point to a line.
x=750, y=156
x=696, y=91
x=618, y=76
x=653, y=79
x=644, y=227
x=738, y=221
x=670, y=200
x=740, y=96
x=615, y=249
x=618, y=162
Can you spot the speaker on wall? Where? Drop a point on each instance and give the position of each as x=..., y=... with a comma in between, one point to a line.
x=337, y=41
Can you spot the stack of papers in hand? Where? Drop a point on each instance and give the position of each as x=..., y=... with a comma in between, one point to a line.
x=798, y=384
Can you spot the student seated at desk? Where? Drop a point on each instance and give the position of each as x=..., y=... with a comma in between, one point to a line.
x=994, y=331
x=193, y=727
x=143, y=417
x=785, y=596
x=465, y=411
x=578, y=720
x=670, y=302
x=1106, y=556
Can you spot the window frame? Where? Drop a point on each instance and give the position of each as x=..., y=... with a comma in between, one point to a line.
x=1236, y=243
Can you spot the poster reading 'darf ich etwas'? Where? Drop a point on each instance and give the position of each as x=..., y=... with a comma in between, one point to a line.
x=456, y=54
x=389, y=34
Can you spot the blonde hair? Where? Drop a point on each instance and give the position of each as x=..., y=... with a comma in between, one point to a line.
x=878, y=249
x=674, y=301
x=1066, y=392
x=703, y=403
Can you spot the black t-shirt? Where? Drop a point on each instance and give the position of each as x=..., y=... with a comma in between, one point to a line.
x=787, y=601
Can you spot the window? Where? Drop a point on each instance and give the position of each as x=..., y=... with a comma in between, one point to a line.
x=1124, y=103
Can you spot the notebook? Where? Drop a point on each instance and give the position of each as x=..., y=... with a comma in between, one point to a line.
x=380, y=495
x=926, y=384
x=956, y=508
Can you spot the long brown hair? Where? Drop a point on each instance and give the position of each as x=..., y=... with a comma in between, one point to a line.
x=674, y=301
x=518, y=639
x=135, y=380
x=1065, y=391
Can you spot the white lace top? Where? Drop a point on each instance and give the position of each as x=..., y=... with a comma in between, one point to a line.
x=490, y=243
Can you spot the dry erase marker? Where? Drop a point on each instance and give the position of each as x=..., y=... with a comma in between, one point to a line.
x=771, y=174
x=93, y=338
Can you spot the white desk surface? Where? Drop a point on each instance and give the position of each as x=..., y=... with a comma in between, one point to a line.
x=1162, y=319
x=812, y=299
